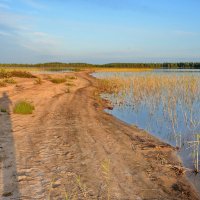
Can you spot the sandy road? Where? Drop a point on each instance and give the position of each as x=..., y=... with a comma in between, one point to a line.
x=70, y=148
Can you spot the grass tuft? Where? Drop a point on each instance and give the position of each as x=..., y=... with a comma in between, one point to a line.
x=9, y=81
x=71, y=77
x=3, y=84
x=69, y=84
x=58, y=80
x=67, y=90
x=38, y=81
x=24, y=108
x=21, y=74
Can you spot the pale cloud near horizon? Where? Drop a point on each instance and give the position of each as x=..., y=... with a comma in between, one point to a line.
x=41, y=43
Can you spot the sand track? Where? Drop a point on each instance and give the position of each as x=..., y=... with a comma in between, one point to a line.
x=62, y=147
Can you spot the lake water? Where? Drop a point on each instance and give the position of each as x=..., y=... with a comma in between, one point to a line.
x=166, y=103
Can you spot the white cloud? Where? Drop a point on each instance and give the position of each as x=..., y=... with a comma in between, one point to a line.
x=41, y=42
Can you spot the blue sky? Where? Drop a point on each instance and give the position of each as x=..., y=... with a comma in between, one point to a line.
x=99, y=31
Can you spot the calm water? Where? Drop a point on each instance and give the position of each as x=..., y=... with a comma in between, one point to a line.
x=173, y=119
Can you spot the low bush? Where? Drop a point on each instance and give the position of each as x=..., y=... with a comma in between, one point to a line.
x=58, y=80
x=23, y=107
x=9, y=81
x=15, y=73
x=22, y=74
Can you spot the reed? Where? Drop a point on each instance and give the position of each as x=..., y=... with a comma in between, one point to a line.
x=176, y=97
x=119, y=69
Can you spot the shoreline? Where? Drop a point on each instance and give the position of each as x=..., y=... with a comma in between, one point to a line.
x=70, y=135
x=106, y=105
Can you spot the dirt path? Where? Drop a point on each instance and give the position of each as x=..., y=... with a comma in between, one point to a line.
x=70, y=148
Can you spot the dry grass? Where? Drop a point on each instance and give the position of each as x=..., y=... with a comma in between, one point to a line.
x=58, y=80
x=14, y=73
x=175, y=95
x=9, y=81
x=112, y=85
x=38, y=81
x=2, y=84
x=5, y=81
x=70, y=84
x=152, y=87
x=107, y=69
x=75, y=188
x=71, y=77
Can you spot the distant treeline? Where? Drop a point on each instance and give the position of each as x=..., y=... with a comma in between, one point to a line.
x=155, y=65
x=186, y=65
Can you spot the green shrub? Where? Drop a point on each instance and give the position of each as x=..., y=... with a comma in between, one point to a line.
x=23, y=107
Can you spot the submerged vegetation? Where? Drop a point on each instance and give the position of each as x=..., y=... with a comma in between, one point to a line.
x=171, y=102
x=109, y=85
